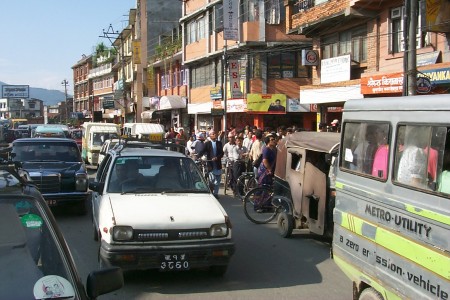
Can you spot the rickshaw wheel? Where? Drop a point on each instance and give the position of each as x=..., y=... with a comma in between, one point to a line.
x=285, y=224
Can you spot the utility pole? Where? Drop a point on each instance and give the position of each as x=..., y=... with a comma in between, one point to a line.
x=409, y=53
x=65, y=83
x=224, y=87
x=110, y=34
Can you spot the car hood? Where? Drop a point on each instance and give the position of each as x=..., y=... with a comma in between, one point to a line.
x=52, y=167
x=166, y=211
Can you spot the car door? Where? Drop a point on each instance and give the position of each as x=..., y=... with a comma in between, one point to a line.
x=100, y=178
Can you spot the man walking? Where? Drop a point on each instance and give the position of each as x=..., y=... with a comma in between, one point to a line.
x=214, y=153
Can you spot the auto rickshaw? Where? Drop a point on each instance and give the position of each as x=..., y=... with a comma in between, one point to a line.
x=304, y=178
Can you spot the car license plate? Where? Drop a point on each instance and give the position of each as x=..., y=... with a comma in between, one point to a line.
x=51, y=202
x=174, y=262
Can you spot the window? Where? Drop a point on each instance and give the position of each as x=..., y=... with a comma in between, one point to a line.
x=396, y=41
x=202, y=75
x=282, y=65
x=423, y=157
x=196, y=30
x=353, y=42
x=365, y=148
x=249, y=10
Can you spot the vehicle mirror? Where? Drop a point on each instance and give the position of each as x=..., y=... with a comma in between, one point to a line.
x=96, y=186
x=328, y=158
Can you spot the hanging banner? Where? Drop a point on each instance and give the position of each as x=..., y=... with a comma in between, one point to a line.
x=230, y=20
x=235, y=86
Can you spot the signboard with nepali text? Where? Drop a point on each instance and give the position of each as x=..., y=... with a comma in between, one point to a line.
x=382, y=84
x=15, y=91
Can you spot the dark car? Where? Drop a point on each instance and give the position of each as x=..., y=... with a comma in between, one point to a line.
x=35, y=260
x=56, y=168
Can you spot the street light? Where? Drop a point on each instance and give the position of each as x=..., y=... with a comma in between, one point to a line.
x=65, y=83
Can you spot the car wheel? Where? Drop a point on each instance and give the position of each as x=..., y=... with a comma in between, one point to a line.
x=370, y=294
x=285, y=224
x=218, y=271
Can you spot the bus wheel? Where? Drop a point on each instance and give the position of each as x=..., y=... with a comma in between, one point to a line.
x=370, y=294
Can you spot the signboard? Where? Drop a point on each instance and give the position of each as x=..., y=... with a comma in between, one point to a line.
x=423, y=85
x=310, y=57
x=136, y=52
x=235, y=87
x=217, y=111
x=266, y=103
x=335, y=69
x=382, y=84
x=215, y=93
x=230, y=20
x=15, y=91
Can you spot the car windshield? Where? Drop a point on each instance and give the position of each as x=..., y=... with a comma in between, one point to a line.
x=46, y=151
x=32, y=262
x=148, y=174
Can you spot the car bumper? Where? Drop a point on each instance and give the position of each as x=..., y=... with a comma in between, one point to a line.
x=56, y=199
x=137, y=257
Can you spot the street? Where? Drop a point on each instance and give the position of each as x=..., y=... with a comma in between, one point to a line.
x=265, y=266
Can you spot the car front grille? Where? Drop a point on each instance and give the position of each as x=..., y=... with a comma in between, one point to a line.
x=170, y=235
x=48, y=183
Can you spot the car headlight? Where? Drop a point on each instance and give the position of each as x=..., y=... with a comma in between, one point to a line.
x=122, y=233
x=218, y=230
x=81, y=182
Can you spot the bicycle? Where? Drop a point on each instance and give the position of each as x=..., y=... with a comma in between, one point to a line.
x=261, y=205
x=228, y=174
x=208, y=175
x=246, y=182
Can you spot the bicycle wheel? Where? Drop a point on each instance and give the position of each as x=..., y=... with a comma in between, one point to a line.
x=227, y=179
x=245, y=183
x=258, y=205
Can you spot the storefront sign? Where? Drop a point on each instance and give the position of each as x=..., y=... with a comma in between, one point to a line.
x=382, y=84
x=423, y=85
x=310, y=57
x=436, y=76
x=293, y=105
x=266, y=103
x=335, y=69
x=215, y=93
x=313, y=108
x=235, y=86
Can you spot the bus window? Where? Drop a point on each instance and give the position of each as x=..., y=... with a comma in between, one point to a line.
x=420, y=155
x=366, y=148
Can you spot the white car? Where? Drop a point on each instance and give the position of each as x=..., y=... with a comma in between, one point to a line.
x=152, y=209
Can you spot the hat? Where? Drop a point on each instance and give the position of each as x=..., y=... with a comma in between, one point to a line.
x=200, y=136
x=335, y=121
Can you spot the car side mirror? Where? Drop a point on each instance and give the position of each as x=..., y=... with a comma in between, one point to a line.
x=96, y=186
x=104, y=281
x=328, y=158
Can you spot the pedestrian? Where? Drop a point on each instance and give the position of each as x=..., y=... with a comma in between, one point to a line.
x=266, y=169
x=238, y=155
x=214, y=153
x=256, y=150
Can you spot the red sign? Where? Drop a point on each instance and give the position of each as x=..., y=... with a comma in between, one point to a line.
x=382, y=84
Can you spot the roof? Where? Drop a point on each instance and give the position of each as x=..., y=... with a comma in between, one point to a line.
x=44, y=140
x=311, y=140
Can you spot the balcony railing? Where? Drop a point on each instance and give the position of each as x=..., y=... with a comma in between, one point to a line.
x=305, y=4
x=99, y=71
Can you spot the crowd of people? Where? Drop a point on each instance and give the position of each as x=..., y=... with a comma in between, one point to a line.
x=249, y=149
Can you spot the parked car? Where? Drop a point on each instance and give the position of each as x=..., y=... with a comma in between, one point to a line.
x=35, y=260
x=56, y=167
x=49, y=131
x=152, y=209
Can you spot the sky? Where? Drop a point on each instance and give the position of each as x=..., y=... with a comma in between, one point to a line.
x=42, y=39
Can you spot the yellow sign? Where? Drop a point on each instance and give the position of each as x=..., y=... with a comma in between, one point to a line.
x=136, y=52
x=266, y=103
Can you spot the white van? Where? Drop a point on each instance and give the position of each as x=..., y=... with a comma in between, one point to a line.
x=94, y=135
x=148, y=131
x=392, y=214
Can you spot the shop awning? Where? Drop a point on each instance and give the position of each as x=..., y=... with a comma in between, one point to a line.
x=200, y=108
x=330, y=95
x=172, y=102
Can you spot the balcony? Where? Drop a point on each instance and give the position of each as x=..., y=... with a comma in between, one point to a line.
x=99, y=71
x=313, y=18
